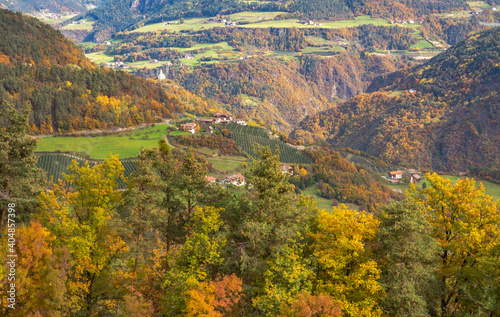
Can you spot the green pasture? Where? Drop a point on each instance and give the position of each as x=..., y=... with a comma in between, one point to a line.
x=423, y=44
x=54, y=21
x=479, y=5
x=226, y=164
x=87, y=25
x=196, y=24
x=125, y=144
x=361, y=20
x=100, y=57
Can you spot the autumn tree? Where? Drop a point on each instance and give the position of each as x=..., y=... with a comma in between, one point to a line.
x=40, y=274
x=407, y=255
x=465, y=224
x=346, y=269
x=80, y=213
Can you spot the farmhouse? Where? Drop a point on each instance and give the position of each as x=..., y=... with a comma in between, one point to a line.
x=240, y=122
x=286, y=169
x=222, y=118
x=396, y=175
x=236, y=180
x=188, y=56
x=190, y=127
x=210, y=179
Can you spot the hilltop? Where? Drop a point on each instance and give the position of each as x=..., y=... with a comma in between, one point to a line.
x=66, y=92
x=443, y=114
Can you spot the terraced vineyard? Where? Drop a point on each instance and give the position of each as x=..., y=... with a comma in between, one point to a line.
x=246, y=136
x=56, y=163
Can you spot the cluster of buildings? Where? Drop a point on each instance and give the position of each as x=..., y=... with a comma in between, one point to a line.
x=308, y=22
x=226, y=22
x=240, y=180
x=236, y=180
x=192, y=127
x=395, y=177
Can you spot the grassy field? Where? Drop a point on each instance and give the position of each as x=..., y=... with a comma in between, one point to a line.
x=87, y=25
x=196, y=24
x=99, y=147
x=226, y=164
x=422, y=44
x=54, y=21
x=100, y=57
x=361, y=20
x=492, y=189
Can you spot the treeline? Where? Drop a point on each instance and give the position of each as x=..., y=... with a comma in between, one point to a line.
x=341, y=10
x=284, y=39
x=225, y=145
x=491, y=174
x=370, y=36
x=451, y=30
x=174, y=245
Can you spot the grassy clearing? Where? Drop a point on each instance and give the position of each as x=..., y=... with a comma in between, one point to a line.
x=225, y=165
x=479, y=5
x=361, y=20
x=196, y=24
x=54, y=21
x=87, y=25
x=321, y=202
x=324, y=51
x=99, y=147
x=423, y=44
x=100, y=57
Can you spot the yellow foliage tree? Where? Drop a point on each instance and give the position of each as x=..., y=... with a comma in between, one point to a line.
x=345, y=268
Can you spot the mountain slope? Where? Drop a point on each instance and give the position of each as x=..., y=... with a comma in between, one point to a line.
x=55, y=6
x=444, y=114
x=67, y=92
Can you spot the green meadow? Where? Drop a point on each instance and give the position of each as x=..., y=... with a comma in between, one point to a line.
x=125, y=144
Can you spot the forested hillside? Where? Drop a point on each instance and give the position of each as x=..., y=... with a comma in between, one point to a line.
x=51, y=5
x=443, y=114
x=67, y=92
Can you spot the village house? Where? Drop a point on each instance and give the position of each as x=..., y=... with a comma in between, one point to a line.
x=396, y=175
x=190, y=127
x=236, y=180
x=210, y=179
x=415, y=175
x=222, y=118
x=287, y=169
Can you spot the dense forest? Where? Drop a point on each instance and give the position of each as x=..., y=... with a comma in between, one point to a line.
x=174, y=245
x=57, y=6
x=68, y=93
